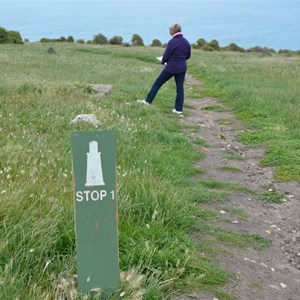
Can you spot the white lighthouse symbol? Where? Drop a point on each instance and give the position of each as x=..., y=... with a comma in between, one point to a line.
x=94, y=173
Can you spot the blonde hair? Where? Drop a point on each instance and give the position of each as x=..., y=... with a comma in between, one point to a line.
x=174, y=29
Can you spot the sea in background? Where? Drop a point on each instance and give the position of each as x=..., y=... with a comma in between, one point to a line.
x=267, y=23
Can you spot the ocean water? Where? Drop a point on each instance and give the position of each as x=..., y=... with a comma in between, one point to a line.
x=266, y=23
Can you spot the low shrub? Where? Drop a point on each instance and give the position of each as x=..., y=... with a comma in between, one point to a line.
x=116, y=40
x=3, y=35
x=214, y=44
x=156, y=43
x=201, y=42
x=284, y=51
x=262, y=50
x=234, y=47
x=256, y=49
x=136, y=40
x=207, y=47
x=47, y=40
x=10, y=37
x=100, y=39
x=44, y=40
x=70, y=39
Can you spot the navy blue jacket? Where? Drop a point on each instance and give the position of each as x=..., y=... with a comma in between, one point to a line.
x=178, y=51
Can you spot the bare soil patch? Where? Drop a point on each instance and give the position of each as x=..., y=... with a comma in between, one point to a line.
x=273, y=273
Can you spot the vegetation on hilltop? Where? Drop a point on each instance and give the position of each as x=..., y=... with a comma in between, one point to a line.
x=200, y=44
x=10, y=37
x=14, y=37
x=158, y=204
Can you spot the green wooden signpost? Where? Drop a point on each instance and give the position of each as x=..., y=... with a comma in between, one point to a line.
x=94, y=172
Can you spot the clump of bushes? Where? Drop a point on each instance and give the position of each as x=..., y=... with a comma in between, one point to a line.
x=100, y=39
x=156, y=43
x=284, y=51
x=10, y=37
x=202, y=44
x=116, y=40
x=287, y=52
x=62, y=39
x=14, y=37
x=47, y=40
x=70, y=39
x=234, y=47
x=136, y=40
x=263, y=50
x=213, y=45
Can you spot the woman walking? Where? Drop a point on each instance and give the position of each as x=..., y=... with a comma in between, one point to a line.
x=177, y=52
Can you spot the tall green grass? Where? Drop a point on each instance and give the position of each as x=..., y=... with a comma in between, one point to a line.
x=158, y=204
x=264, y=91
x=39, y=95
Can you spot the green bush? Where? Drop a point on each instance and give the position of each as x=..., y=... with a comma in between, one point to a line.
x=44, y=40
x=10, y=37
x=214, y=44
x=136, y=40
x=80, y=41
x=116, y=40
x=100, y=39
x=47, y=40
x=207, y=48
x=201, y=42
x=62, y=39
x=270, y=50
x=3, y=35
x=263, y=50
x=156, y=43
x=256, y=49
x=284, y=51
x=70, y=39
x=234, y=47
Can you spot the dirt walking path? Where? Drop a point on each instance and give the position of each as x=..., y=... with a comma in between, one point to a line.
x=273, y=273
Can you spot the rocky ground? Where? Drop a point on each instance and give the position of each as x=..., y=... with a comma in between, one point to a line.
x=273, y=273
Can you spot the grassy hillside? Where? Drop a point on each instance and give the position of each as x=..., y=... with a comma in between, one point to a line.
x=158, y=206
x=264, y=91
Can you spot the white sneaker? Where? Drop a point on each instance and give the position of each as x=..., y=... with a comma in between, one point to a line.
x=143, y=102
x=177, y=112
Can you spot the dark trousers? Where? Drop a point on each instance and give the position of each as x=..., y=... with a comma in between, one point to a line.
x=163, y=77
